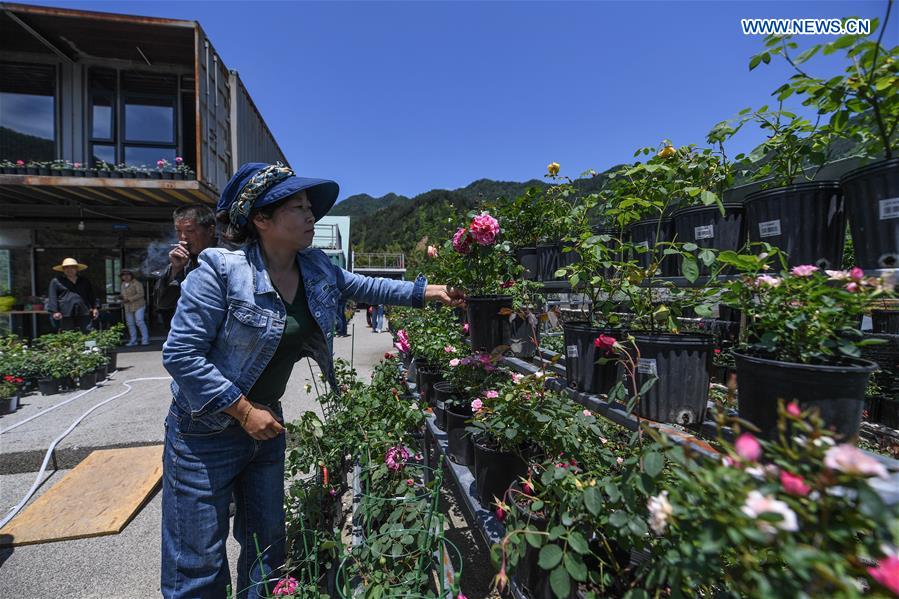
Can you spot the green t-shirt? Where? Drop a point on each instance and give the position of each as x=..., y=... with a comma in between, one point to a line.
x=270, y=385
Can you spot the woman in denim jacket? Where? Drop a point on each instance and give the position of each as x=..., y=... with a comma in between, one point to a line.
x=244, y=318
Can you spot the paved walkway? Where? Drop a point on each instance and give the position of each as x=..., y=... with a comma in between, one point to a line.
x=123, y=566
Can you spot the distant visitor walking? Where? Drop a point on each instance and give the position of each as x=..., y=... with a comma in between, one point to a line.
x=134, y=303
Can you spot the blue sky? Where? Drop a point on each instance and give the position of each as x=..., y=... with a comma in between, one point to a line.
x=410, y=96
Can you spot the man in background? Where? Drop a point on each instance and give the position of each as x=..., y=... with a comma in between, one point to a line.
x=195, y=227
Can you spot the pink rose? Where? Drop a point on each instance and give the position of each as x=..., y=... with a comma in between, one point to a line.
x=803, y=270
x=484, y=228
x=852, y=460
x=856, y=273
x=587, y=413
x=160, y=163
x=178, y=159
x=465, y=328
x=887, y=573
x=476, y=405
x=454, y=362
x=794, y=484
x=748, y=447
x=285, y=586
x=20, y=163
x=462, y=241
x=432, y=251
x=767, y=280
x=507, y=284
x=491, y=394
x=852, y=287
x=449, y=349
x=793, y=409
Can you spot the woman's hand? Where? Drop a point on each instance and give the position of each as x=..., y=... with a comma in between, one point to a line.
x=258, y=420
x=261, y=423
x=445, y=295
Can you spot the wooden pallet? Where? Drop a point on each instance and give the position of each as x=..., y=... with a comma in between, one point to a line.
x=97, y=497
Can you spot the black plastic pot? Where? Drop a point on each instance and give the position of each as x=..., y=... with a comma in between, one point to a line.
x=113, y=356
x=495, y=471
x=87, y=381
x=582, y=370
x=527, y=257
x=885, y=321
x=549, y=256
x=460, y=447
x=708, y=228
x=889, y=412
x=487, y=327
x=805, y=220
x=427, y=376
x=48, y=386
x=443, y=392
x=650, y=232
x=521, y=338
x=9, y=405
x=837, y=392
x=567, y=255
x=872, y=207
x=683, y=365
x=102, y=373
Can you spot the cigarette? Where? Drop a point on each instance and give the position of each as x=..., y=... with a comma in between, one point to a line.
x=176, y=244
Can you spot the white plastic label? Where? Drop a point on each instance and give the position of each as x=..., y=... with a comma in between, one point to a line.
x=889, y=208
x=642, y=244
x=572, y=351
x=706, y=232
x=647, y=366
x=716, y=311
x=770, y=228
x=90, y=344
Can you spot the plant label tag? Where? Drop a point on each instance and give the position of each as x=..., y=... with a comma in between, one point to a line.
x=571, y=351
x=769, y=228
x=90, y=344
x=889, y=208
x=716, y=311
x=706, y=232
x=647, y=366
x=642, y=244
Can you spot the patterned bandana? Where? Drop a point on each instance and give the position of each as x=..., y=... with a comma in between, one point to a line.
x=259, y=183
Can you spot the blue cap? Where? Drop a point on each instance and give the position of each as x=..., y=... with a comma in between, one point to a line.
x=322, y=193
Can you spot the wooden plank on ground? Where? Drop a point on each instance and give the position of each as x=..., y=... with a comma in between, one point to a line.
x=97, y=497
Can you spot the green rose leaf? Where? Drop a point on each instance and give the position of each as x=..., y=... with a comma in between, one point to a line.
x=550, y=556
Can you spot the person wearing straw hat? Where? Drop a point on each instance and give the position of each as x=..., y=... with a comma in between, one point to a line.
x=134, y=302
x=72, y=302
x=244, y=318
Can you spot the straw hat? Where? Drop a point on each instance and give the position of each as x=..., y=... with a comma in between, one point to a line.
x=69, y=262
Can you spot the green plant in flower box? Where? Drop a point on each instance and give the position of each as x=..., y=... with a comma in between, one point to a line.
x=8, y=389
x=111, y=338
x=17, y=359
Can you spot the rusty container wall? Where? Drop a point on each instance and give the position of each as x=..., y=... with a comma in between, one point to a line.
x=213, y=115
x=251, y=141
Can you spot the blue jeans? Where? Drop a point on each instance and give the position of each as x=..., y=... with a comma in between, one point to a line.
x=377, y=318
x=201, y=469
x=135, y=321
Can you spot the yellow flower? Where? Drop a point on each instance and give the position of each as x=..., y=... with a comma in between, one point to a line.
x=667, y=152
x=553, y=168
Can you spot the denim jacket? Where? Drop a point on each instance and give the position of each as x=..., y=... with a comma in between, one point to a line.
x=230, y=319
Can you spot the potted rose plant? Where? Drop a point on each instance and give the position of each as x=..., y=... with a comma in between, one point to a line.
x=9, y=394
x=802, y=217
x=480, y=262
x=864, y=108
x=801, y=340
